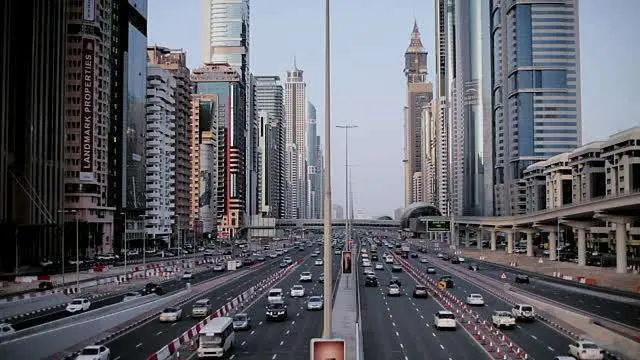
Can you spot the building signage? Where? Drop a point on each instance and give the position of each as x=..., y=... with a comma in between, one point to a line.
x=89, y=10
x=87, y=113
x=438, y=225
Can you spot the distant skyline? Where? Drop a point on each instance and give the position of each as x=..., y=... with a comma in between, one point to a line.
x=368, y=87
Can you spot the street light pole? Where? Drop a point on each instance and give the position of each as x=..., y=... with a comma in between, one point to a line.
x=346, y=179
x=62, y=247
x=326, y=329
x=77, y=253
x=124, y=241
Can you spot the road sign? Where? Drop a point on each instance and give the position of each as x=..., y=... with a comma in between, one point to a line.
x=328, y=349
x=438, y=225
x=442, y=285
x=346, y=262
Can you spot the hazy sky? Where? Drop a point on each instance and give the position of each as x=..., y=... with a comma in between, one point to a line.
x=369, y=38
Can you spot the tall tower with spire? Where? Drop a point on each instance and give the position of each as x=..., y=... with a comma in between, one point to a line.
x=296, y=143
x=419, y=96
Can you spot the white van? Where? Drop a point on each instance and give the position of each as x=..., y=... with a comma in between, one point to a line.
x=275, y=296
x=216, y=338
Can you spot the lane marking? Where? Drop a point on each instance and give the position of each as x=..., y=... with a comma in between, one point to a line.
x=533, y=336
x=159, y=332
x=281, y=342
x=242, y=344
x=441, y=347
x=287, y=333
x=550, y=348
x=253, y=332
x=139, y=345
x=274, y=356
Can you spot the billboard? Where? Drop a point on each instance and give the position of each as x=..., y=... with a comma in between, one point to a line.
x=328, y=349
x=89, y=10
x=87, y=113
x=438, y=225
x=346, y=262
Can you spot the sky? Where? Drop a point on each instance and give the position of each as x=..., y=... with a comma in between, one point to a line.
x=369, y=38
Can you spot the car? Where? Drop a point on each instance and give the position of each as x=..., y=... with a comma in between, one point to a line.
x=306, y=276
x=389, y=260
x=321, y=279
x=296, y=291
x=379, y=266
x=473, y=267
x=94, y=352
x=503, y=319
x=6, y=329
x=475, y=300
x=276, y=312
x=371, y=281
x=78, y=305
x=395, y=280
x=523, y=312
x=171, y=314
x=131, y=296
x=283, y=265
x=444, y=320
x=366, y=263
x=315, y=303
x=522, y=279
x=201, y=308
x=273, y=255
x=318, y=262
x=314, y=255
x=374, y=257
x=424, y=260
x=431, y=270
x=187, y=275
x=275, y=295
x=218, y=267
x=420, y=291
x=337, y=252
x=455, y=260
x=152, y=288
x=414, y=255
x=241, y=321
x=396, y=268
x=447, y=281
x=586, y=350
x=287, y=260
x=393, y=290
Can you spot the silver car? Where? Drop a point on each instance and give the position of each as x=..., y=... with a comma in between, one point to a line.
x=315, y=303
x=241, y=321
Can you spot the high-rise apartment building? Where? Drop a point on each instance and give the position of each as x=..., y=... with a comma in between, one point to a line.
x=127, y=79
x=268, y=97
x=419, y=94
x=88, y=111
x=314, y=167
x=338, y=212
x=228, y=116
x=536, y=90
x=32, y=130
x=160, y=153
x=175, y=62
x=296, y=143
x=270, y=160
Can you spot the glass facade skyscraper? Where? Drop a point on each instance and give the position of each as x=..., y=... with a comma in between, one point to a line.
x=536, y=90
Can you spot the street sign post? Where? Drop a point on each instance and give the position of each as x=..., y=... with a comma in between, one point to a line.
x=328, y=349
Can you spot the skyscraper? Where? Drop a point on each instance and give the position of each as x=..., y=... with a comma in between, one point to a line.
x=268, y=97
x=175, y=62
x=160, y=153
x=296, y=143
x=536, y=97
x=32, y=130
x=419, y=94
x=314, y=167
x=228, y=115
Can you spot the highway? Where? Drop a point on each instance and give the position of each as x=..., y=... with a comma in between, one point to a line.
x=402, y=327
x=287, y=339
x=536, y=338
x=153, y=335
x=614, y=307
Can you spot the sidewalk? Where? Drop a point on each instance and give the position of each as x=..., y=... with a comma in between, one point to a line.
x=344, y=314
x=604, y=277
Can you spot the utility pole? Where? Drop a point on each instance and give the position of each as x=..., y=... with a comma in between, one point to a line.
x=326, y=329
x=347, y=226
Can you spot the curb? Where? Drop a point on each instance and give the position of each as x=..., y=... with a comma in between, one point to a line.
x=33, y=312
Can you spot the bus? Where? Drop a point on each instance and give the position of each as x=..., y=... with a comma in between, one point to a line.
x=216, y=338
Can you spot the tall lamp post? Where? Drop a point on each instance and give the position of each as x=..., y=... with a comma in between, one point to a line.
x=346, y=128
x=74, y=212
x=124, y=242
x=326, y=329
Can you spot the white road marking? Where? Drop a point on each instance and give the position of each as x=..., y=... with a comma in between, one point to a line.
x=158, y=333
x=139, y=345
x=281, y=342
x=242, y=344
x=441, y=347
x=402, y=346
x=533, y=336
x=274, y=356
x=253, y=332
x=393, y=323
x=260, y=323
x=397, y=334
x=434, y=334
x=550, y=348
x=288, y=332
x=117, y=357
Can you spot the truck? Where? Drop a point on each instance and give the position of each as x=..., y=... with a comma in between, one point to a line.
x=405, y=251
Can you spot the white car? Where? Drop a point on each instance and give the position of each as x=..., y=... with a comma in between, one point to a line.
x=6, y=330
x=275, y=296
x=77, y=305
x=586, y=350
x=306, y=276
x=503, y=319
x=394, y=290
x=187, y=275
x=366, y=263
x=297, y=291
x=218, y=267
x=131, y=296
x=523, y=312
x=201, y=308
x=389, y=260
x=379, y=266
x=424, y=260
x=475, y=299
x=319, y=262
x=94, y=352
x=171, y=314
x=444, y=320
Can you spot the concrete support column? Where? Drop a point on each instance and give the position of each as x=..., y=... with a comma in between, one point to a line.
x=509, y=242
x=621, y=238
x=493, y=240
x=467, y=241
x=553, y=240
x=582, y=247
x=480, y=238
x=529, y=242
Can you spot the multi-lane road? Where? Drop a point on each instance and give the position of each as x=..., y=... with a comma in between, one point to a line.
x=283, y=340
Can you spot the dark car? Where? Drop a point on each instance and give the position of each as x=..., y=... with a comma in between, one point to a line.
x=371, y=281
x=522, y=279
x=414, y=255
x=276, y=311
x=420, y=291
x=473, y=267
x=396, y=268
x=321, y=279
x=448, y=281
x=374, y=257
x=455, y=260
x=395, y=280
x=152, y=288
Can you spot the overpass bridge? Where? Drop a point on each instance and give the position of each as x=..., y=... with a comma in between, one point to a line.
x=319, y=223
